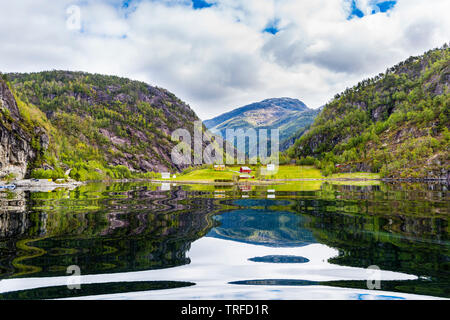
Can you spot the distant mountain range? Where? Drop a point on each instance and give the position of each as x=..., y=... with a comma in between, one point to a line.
x=288, y=115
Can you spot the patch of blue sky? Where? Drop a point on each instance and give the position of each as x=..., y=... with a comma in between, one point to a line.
x=131, y=4
x=386, y=5
x=200, y=4
x=383, y=6
x=272, y=27
x=126, y=3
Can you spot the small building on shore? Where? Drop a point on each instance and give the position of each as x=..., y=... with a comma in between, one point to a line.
x=165, y=175
x=245, y=170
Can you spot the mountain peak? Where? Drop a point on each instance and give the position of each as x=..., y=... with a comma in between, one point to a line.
x=286, y=101
x=286, y=114
x=282, y=105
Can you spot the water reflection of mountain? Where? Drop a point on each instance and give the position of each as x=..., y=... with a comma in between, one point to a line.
x=123, y=231
x=263, y=227
x=133, y=227
x=365, y=241
x=12, y=201
x=397, y=231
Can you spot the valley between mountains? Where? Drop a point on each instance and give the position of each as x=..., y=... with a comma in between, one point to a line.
x=63, y=124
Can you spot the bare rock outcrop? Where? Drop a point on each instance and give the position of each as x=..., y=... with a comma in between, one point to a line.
x=15, y=142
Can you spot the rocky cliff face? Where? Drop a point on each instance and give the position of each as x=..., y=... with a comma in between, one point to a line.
x=15, y=142
x=108, y=120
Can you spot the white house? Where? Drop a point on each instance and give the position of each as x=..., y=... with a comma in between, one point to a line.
x=165, y=175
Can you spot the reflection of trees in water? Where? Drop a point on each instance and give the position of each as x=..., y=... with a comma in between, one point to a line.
x=13, y=223
x=400, y=227
x=406, y=199
x=394, y=240
x=12, y=213
x=125, y=227
x=133, y=230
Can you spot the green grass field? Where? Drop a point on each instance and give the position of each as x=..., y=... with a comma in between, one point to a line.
x=204, y=175
x=296, y=172
x=284, y=172
x=287, y=172
x=208, y=174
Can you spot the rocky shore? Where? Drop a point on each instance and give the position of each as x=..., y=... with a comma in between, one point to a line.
x=42, y=184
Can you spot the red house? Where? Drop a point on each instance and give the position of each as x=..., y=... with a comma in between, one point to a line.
x=245, y=170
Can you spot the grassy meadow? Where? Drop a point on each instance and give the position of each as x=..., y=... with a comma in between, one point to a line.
x=285, y=172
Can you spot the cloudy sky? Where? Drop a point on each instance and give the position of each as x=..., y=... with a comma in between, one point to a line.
x=220, y=54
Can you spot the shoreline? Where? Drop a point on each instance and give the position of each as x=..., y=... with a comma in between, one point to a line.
x=278, y=181
x=28, y=185
x=43, y=185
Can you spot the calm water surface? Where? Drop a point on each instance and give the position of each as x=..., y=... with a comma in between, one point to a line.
x=296, y=241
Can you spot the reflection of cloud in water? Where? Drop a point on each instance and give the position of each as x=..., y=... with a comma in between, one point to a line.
x=217, y=262
x=260, y=242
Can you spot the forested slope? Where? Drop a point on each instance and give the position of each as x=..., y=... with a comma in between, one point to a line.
x=99, y=126
x=396, y=123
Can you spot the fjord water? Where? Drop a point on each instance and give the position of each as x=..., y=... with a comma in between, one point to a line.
x=309, y=240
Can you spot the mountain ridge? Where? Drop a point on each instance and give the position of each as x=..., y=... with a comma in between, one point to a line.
x=396, y=123
x=99, y=126
x=290, y=103
x=286, y=114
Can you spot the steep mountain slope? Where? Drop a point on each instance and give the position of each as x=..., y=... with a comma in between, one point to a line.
x=286, y=114
x=396, y=123
x=18, y=137
x=101, y=125
x=288, y=142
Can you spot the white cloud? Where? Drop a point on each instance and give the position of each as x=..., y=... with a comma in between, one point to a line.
x=218, y=58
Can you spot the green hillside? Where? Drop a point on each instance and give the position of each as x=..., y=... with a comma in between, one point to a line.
x=396, y=123
x=99, y=126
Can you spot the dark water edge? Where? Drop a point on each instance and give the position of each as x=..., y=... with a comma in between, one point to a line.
x=128, y=227
x=60, y=292
x=421, y=287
